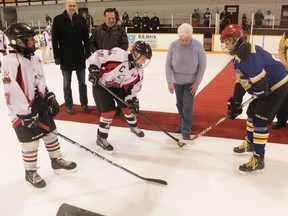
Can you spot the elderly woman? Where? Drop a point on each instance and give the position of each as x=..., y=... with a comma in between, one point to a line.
x=185, y=67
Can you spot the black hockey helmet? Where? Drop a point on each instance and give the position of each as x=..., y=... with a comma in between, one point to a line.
x=20, y=31
x=140, y=48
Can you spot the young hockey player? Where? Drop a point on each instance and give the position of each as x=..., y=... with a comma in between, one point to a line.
x=122, y=73
x=29, y=102
x=47, y=54
x=261, y=75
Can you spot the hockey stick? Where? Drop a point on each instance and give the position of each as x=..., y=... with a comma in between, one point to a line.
x=179, y=142
x=159, y=181
x=220, y=120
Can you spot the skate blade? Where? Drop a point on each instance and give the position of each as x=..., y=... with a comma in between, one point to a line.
x=64, y=171
x=244, y=153
x=99, y=149
x=36, y=189
x=252, y=172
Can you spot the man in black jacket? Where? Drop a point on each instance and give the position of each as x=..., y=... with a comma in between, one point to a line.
x=107, y=36
x=70, y=40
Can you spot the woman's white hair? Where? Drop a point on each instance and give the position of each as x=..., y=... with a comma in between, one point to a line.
x=185, y=30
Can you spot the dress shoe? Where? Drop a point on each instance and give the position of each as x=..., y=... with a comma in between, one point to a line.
x=278, y=125
x=70, y=110
x=178, y=129
x=186, y=136
x=85, y=108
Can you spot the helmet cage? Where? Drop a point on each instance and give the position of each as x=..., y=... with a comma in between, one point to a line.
x=233, y=33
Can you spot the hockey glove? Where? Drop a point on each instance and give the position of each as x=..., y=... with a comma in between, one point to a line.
x=234, y=108
x=94, y=74
x=262, y=91
x=30, y=121
x=52, y=104
x=133, y=105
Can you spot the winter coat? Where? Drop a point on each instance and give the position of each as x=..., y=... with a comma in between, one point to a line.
x=70, y=41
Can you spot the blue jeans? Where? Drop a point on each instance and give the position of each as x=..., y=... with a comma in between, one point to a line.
x=67, y=75
x=184, y=104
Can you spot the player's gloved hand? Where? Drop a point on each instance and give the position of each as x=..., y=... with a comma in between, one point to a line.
x=262, y=91
x=134, y=105
x=94, y=74
x=233, y=108
x=57, y=61
x=52, y=104
x=30, y=121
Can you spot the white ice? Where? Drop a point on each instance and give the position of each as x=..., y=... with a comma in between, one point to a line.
x=203, y=178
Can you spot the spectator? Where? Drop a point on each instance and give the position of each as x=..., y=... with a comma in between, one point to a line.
x=125, y=83
x=70, y=37
x=244, y=25
x=48, y=20
x=268, y=19
x=224, y=20
x=259, y=74
x=145, y=23
x=117, y=17
x=258, y=17
x=282, y=115
x=136, y=23
x=125, y=20
x=107, y=36
x=185, y=67
x=47, y=53
x=154, y=23
x=196, y=18
x=207, y=16
x=30, y=103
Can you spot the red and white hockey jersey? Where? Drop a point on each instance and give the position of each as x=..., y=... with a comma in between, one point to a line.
x=21, y=78
x=117, y=71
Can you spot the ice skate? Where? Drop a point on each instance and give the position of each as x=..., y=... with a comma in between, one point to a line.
x=137, y=131
x=103, y=145
x=255, y=164
x=245, y=148
x=62, y=166
x=34, y=179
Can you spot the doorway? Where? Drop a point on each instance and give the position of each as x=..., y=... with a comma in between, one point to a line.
x=233, y=13
x=284, y=17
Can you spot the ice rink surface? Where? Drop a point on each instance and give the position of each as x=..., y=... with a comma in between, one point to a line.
x=202, y=178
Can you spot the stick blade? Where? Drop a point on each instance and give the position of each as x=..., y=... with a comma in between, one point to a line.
x=70, y=210
x=158, y=181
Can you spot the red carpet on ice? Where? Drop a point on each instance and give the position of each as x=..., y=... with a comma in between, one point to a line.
x=209, y=107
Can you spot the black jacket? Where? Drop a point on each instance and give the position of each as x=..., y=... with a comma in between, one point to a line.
x=70, y=42
x=108, y=38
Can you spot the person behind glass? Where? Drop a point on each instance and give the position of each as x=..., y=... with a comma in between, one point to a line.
x=48, y=20
x=196, y=18
x=268, y=19
x=30, y=103
x=207, y=16
x=125, y=20
x=122, y=73
x=145, y=23
x=224, y=20
x=154, y=23
x=70, y=40
x=185, y=67
x=244, y=23
x=282, y=115
x=47, y=53
x=263, y=76
x=136, y=21
x=258, y=17
x=107, y=36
